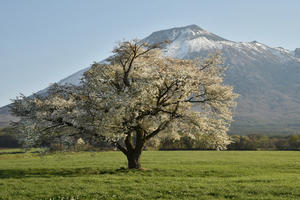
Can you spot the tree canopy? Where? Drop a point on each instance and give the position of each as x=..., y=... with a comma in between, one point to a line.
x=136, y=95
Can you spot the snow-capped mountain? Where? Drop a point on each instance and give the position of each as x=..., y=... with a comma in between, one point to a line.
x=267, y=79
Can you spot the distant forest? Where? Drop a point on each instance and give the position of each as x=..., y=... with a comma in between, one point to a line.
x=249, y=142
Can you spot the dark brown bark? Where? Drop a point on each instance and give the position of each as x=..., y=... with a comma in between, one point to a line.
x=133, y=152
x=133, y=159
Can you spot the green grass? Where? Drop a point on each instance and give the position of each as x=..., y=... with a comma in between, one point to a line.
x=169, y=175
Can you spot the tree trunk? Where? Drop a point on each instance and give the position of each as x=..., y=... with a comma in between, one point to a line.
x=134, y=160
x=133, y=152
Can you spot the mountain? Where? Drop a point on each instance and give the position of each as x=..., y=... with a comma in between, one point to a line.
x=6, y=117
x=266, y=78
x=297, y=52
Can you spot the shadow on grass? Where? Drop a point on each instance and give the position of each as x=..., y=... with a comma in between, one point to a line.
x=19, y=152
x=14, y=152
x=77, y=172
x=47, y=173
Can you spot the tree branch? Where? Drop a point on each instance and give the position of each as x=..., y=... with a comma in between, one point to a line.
x=161, y=127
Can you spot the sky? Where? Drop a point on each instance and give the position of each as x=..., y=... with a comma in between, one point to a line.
x=42, y=42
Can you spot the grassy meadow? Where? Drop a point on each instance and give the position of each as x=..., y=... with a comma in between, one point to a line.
x=167, y=175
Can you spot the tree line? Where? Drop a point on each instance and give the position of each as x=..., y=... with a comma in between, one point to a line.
x=8, y=139
x=246, y=142
x=263, y=142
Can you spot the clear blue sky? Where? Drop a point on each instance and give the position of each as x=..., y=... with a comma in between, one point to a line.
x=42, y=42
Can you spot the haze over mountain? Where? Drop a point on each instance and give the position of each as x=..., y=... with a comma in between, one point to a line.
x=266, y=78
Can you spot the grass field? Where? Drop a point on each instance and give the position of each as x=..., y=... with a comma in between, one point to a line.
x=167, y=175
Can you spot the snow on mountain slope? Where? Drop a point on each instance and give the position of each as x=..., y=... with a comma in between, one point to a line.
x=74, y=78
x=193, y=39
